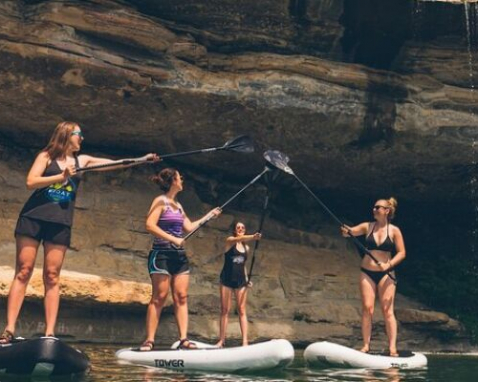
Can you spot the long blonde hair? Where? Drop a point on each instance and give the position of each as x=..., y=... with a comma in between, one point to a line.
x=60, y=140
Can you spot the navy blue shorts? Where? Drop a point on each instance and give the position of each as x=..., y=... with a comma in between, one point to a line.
x=41, y=230
x=168, y=262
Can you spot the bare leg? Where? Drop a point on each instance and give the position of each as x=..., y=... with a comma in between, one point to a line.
x=368, y=291
x=180, y=285
x=241, y=298
x=226, y=297
x=386, y=293
x=160, y=284
x=54, y=256
x=25, y=261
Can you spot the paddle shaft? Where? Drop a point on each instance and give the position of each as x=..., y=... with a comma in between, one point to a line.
x=355, y=240
x=123, y=162
x=256, y=245
x=174, y=155
x=226, y=203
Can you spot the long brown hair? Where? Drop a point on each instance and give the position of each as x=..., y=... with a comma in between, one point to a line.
x=60, y=140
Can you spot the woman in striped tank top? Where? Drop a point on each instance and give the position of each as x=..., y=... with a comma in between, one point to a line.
x=167, y=262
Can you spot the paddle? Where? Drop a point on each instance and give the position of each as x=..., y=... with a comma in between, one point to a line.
x=279, y=160
x=261, y=223
x=241, y=144
x=266, y=169
x=269, y=180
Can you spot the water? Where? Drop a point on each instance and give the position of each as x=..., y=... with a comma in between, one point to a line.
x=105, y=367
x=471, y=12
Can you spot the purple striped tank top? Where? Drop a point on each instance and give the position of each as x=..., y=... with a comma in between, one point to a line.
x=171, y=222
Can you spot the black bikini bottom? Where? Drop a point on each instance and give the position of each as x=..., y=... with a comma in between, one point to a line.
x=377, y=276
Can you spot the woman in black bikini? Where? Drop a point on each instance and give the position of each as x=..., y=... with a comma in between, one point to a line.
x=234, y=279
x=47, y=217
x=380, y=277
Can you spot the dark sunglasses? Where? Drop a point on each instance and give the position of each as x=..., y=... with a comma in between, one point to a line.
x=376, y=208
x=79, y=133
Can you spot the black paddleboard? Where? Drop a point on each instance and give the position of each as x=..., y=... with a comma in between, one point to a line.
x=42, y=356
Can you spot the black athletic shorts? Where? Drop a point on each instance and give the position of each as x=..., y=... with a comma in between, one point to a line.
x=43, y=231
x=168, y=262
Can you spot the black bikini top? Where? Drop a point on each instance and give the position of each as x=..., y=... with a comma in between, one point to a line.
x=387, y=245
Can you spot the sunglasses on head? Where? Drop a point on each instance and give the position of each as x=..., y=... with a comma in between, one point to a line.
x=376, y=208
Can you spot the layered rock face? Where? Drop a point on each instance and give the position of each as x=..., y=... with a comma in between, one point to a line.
x=160, y=75
x=365, y=99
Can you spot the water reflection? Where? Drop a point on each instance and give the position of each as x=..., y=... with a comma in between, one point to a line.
x=105, y=367
x=364, y=375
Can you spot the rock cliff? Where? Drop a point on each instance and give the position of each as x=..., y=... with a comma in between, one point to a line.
x=367, y=99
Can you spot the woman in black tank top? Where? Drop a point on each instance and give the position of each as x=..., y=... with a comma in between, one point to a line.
x=47, y=217
x=383, y=240
x=233, y=279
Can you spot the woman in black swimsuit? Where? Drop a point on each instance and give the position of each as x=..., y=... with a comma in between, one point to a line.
x=47, y=217
x=382, y=240
x=234, y=279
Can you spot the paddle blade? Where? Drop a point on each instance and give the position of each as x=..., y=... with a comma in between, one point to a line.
x=241, y=144
x=278, y=160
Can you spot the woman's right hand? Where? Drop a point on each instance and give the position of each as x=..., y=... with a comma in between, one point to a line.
x=69, y=171
x=345, y=230
x=178, y=242
x=257, y=236
x=214, y=213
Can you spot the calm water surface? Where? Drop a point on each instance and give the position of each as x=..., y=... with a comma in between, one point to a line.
x=459, y=368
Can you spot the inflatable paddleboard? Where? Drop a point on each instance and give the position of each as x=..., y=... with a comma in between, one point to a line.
x=320, y=354
x=244, y=359
x=45, y=356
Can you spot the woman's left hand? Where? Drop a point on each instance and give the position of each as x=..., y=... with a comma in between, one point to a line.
x=249, y=284
x=215, y=212
x=385, y=267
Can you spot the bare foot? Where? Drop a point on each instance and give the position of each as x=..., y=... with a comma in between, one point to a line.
x=220, y=344
x=245, y=344
x=393, y=353
x=365, y=349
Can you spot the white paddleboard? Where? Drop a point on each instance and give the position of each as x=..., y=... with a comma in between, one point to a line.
x=320, y=354
x=243, y=359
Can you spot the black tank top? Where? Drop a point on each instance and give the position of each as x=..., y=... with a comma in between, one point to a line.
x=54, y=203
x=233, y=272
